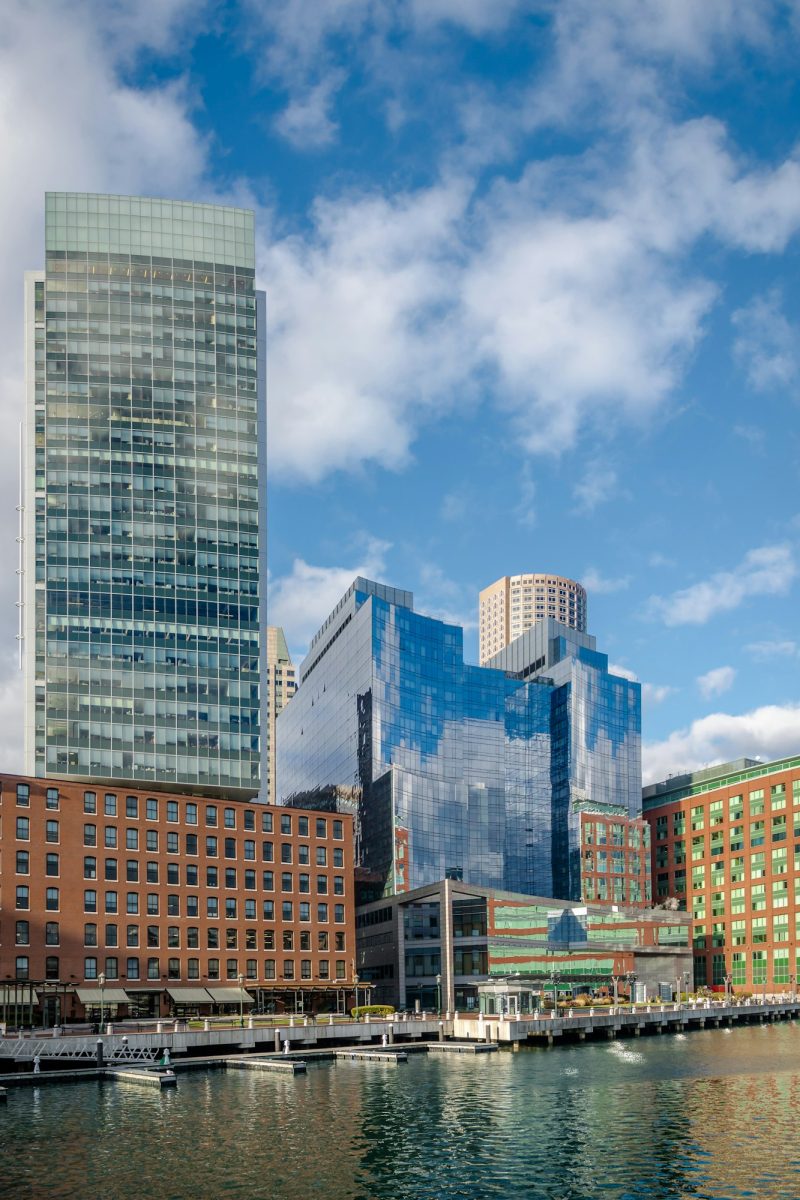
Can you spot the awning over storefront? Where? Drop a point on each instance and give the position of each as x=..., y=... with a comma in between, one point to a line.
x=187, y=995
x=18, y=993
x=110, y=995
x=230, y=995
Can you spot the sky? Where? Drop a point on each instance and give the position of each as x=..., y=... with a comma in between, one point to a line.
x=534, y=302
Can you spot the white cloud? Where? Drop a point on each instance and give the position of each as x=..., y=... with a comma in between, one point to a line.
x=306, y=122
x=656, y=693
x=716, y=681
x=593, y=581
x=657, y=559
x=596, y=487
x=766, y=343
x=770, y=732
x=300, y=601
x=766, y=571
x=363, y=341
x=652, y=693
x=762, y=651
x=443, y=598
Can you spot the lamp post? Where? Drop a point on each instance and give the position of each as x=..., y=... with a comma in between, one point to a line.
x=630, y=977
x=355, y=987
x=686, y=982
x=240, y=977
x=101, y=979
x=554, y=978
x=438, y=995
x=792, y=981
x=615, y=980
x=678, y=991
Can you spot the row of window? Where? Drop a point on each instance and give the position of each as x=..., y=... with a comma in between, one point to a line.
x=152, y=935
x=153, y=968
x=112, y=807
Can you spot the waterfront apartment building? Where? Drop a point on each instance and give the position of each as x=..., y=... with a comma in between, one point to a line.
x=510, y=605
x=437, y=945
x=178, y=902
x=497, y=776
x=279, y=687
x=144, y=453
x=726, y=846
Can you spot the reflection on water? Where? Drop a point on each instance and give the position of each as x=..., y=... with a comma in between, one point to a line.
x=711, y=1116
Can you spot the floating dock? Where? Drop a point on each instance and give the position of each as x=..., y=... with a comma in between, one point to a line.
x=158, y=1078
x=392, y=1056
x=285, y=1065
x=461, y=1047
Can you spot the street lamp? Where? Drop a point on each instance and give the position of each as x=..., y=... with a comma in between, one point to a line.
x=241, y=1001
x=438, y=995
x=554, y=978
x=630, y=977
x=101, y=979
x=355, y=986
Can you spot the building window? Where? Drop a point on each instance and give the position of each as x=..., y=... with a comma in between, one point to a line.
x=230, y=818
x=111, y=869
x=110, y=804
x=322, y=885
x=90, y=934
x=173, y=968
x=302, y=826
x=287, y=910
x=51, y=967
x=249, y=849
x=23, y=795
x=322, y=827
x=211, y=847
x=288, y=968
x=153, y=968
x=131, y=839
x=152, y=872
x=90, y=835
x=51, y=798
x=173, y=906
x=267, y=851
x=193, y=937
x=338, y=830
x=132, y=903
x=111, y=902
x=230, y=847
x=286, y=823
x=213, y=968
x=132, y=871
x=112, y=968
x=152, y=904
x=151, y=809
x=90, y=968
x=112, y=935
x=131, y=807
x=132, y=935
x=191, y=843
x=23, y=829
x=110, y=838
x=268, y=910
x=172, y=810
x=193, y=968
x=51, y=831
x=172, y=843
x=22, y=936
x=173, y=874
x=212, y=906
x=132, y=968
x=23, y=862
x=269, y=968
x=322, y=914
x=211, y=815
x=51, y=899
x=52, y=935
x=152, y=936
x=266, y=822
x=338, y=914
x=304, y=910
x=89, y=802
x=249, y=819
x=22, y=967
x=90, y=867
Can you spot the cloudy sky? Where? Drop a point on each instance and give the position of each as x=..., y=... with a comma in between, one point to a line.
x=532, y=269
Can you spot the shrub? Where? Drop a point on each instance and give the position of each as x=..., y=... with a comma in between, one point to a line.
x=372, y=1010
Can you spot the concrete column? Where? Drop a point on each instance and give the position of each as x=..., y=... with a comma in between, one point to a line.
x=448, y=1000
x=277, y=1041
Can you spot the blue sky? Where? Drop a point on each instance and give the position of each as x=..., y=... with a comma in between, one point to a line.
x=532, y=280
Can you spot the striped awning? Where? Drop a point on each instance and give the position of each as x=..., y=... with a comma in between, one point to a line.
x=189, y=995
x=110, y=995
x=230, y=995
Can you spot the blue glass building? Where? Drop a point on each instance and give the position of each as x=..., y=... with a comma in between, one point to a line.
x=460, y=771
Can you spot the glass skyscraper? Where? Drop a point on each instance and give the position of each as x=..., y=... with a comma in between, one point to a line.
x=473, y=773
x=144, y=425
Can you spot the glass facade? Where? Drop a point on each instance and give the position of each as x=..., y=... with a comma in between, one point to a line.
x=142, y=622
x=473, y=773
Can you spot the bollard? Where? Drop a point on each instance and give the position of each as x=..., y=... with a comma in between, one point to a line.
x=441, y=1031
x=206, y=1025
x=305, y=1021
x=109, y=1028
x=99, y=1052
x=159, y=1026
x=286, y=1046
x=175, y=1026
x=277, y=1041
x=250, y=1022
x=390, y=1035
x=291, y=1022
x=330, y=1019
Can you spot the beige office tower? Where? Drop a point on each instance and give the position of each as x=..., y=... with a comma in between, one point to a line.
x=281, y=685
x=512, y=604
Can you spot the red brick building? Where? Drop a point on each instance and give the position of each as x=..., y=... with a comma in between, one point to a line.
x=726, y=847
x=179, y=902
x=615, y=859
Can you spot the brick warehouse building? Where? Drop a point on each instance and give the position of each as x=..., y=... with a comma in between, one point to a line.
x=726, y=845
x=173, y=899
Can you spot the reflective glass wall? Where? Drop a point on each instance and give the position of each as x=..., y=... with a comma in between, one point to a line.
x=469, y=772
x=142, y=573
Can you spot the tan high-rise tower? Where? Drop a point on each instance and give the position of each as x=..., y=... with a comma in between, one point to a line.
x=281, y=685
x=512, y=604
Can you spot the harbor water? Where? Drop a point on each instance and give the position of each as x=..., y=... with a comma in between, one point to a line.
x=712, y=1115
